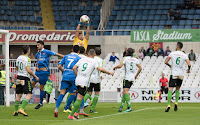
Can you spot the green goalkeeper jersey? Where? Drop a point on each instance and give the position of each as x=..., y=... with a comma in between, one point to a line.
x=48, y=87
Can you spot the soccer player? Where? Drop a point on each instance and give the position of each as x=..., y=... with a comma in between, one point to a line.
x=95, y=81
x=42, y=69
x=177, y=73
x=130, y=63
x=163, y=82
x=79, y=40
x=23, y=64
x=68, y=80
x=83, y=70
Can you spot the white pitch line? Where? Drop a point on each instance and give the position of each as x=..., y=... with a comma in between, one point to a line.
x=117, y=114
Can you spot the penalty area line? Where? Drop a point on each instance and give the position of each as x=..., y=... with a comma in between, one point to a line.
x=117, y=114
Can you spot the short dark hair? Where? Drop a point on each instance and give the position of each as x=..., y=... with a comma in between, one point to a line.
x=82, y=50
x=91, y=52
x=98, y=51
x=129, y=52
x=180, y=45
x=76, y=48
x=25, y=48
x=40, y=42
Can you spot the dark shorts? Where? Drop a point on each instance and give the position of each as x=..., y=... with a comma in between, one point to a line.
x=175, y=82
x=127, y=84
x=81, y=90
x=95, y=86
x=163, y=89
x=27, y=88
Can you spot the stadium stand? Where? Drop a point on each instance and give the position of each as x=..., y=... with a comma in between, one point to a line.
x=67, y=13
x=152, y=69
x=20, y=14
x=148, y=14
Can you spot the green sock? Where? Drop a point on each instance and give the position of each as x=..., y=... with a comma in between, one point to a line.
x=77, y=106
x=24, y=103
x=122, y=101
x=68, y=97
x=86, y=97
x=90, y=97
x=95, y=100
x=169, y=97
x=16, y=105
x=177, y=95
x=127, y=98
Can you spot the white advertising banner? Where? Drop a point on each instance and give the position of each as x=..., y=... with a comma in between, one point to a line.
x=147, y=95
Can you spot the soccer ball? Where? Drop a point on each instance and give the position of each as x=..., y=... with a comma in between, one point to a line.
x=84, y=19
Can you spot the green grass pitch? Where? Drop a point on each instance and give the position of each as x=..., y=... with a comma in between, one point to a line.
x=142, y=114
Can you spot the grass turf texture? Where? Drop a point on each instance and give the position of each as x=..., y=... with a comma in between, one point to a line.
x=142, y=114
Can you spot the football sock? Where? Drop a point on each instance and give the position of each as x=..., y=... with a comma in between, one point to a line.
x=41, y=96
x=69, y=101
x=160, y=98
x=95, y=100
x=76, y=108
x=82, y=104
x=59, y=100
x=90, y=97
x=169, y=97
x=127, y=98
x=177, y=95
x=16, y=105
x=87, y=96
x=68, y=97
x=122, y=101
x=24, y=103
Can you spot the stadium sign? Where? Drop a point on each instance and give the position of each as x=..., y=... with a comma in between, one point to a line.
x=22, y=36
x=192, y=35
x=147, y=95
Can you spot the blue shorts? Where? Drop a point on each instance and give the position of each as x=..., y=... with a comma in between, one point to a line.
x=43, y=76
x=69, y=85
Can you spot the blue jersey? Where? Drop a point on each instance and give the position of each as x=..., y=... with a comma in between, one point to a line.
x=69, y=61
x=43, y=58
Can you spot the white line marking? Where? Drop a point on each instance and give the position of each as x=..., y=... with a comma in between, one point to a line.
x=117, y=114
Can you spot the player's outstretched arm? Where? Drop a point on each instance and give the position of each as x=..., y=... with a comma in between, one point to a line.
x=105, y=71
x=167, y=60
x=75, y=69
x=28, y=69
x=140, y=69
x=88, y=31
x=60, y=55
x=189, y=65
x=119, y=66
x=60, y=68
x=77, y=29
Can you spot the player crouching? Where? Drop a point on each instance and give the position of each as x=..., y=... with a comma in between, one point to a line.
x=83, y=70
x=130, y=63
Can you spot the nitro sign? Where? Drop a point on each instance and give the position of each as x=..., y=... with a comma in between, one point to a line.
x=46, y=36
x=165, y=35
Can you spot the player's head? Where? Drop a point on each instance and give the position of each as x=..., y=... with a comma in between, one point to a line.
x=91, y=53
x=113, y=53
x=179, y=46
x=163, y=75
x=82, y=50
x=26, y=49
x=80, y=36
x=75, y=49
x=98, y=51
x=129, y=52
x=40, y=45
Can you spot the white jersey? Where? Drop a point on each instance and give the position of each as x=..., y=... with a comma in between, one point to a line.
x=178, y=60
x=85, y=68
x=96, y=78
x=82, y=56
x=130, y=64
x=23, y=62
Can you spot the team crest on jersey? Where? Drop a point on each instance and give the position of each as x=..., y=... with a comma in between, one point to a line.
x=43, y=53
